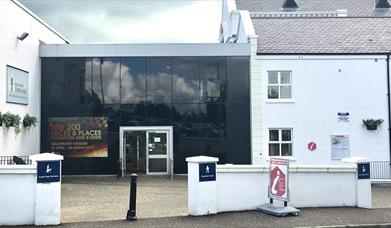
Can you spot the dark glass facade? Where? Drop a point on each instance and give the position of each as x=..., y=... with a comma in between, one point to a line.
x=205, y=99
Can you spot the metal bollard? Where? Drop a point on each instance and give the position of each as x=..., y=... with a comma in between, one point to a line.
x=131, y=215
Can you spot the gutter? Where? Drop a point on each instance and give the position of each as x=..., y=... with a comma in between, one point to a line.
x=389, y=105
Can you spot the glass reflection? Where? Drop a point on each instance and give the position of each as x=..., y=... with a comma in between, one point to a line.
x=133, y=81
x=213, y=77
x=185, y=77
x=159, y=80
x=203, y=98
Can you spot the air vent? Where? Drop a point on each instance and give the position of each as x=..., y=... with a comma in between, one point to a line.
x=382, y=4
x=291, y=5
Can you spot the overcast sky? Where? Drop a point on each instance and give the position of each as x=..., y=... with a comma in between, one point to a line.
x=131, y=21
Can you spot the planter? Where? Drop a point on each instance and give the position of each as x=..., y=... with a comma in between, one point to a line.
x=372, y=124
x=29, y=121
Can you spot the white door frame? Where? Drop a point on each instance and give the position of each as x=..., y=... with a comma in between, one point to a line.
x=170, y=145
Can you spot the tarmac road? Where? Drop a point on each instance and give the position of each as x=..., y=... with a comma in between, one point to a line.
x=309, y=217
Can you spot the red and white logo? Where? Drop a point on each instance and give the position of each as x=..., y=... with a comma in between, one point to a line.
x=277, y=181
x=312, y=146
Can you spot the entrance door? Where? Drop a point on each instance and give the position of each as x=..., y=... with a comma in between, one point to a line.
x=146, y=150
x=157, y=150
x=134, y=151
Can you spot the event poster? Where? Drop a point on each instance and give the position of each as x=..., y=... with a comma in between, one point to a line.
x=340, y=147
x=78, y=136
x=278, y=181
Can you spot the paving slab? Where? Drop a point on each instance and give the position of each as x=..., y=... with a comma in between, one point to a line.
x=92, y=199
x=106, y=198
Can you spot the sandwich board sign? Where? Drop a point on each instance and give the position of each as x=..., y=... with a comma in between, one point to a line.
x=278, y=189
x=278, y=179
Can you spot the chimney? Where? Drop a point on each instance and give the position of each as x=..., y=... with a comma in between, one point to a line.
x=291, y=5
x=382, y=4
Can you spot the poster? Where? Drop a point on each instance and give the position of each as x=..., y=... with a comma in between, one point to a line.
x=278, y=180
x=340, y=147
x=78, y=136
x=17, y=86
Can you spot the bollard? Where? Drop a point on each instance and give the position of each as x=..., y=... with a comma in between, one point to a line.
x=131, y=215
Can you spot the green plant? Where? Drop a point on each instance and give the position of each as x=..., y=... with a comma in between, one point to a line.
x=12, y=120
x=29, y=121
x=1, y=119
x=372, y=124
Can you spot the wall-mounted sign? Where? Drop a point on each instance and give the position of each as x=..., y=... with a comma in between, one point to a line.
x=207, y=172
x=311, y=146
x=340, y=147
x=78, y=136
x=17, y=86
x=343, y=117
x=363, y=171
x=278, y=180
x=48, y=171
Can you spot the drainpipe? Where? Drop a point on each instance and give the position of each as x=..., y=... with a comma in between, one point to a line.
x=389, y=105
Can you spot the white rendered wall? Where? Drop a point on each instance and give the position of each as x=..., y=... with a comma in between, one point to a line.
x=17, y=191
x=244, y=187
x=14, y=20
x=322, y=86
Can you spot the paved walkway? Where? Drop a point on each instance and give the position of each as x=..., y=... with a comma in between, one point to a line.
x=103, y=202
x=106, y=198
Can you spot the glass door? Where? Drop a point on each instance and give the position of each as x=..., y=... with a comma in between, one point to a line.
x=157, y=151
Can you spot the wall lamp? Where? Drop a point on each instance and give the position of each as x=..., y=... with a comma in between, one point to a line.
x=23, y=36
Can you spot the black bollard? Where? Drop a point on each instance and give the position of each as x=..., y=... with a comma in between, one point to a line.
x=131, y=215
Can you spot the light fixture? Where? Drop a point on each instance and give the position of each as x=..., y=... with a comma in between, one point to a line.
x=23, y=36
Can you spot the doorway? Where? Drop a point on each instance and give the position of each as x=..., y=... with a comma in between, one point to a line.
x=146, y=150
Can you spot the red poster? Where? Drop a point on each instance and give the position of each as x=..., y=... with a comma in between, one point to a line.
x=278, y=182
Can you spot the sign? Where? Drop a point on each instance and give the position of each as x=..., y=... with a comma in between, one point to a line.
x=48, y=171
x=17, y=86
x=363, y=171
x=79, y=136
x=278, y=180
x=343, y=117
x=207, y=172
x=312, y=146
x=340, y=147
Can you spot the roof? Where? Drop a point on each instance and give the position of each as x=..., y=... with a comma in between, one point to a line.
x=323, y=35
x=20, y=5
x=355, y=8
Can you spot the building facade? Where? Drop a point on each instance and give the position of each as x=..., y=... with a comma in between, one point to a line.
x=318, y=69
x=286, y=80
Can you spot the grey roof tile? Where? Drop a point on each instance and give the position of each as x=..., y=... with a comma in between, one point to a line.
x=323, y=35
x=355, y=8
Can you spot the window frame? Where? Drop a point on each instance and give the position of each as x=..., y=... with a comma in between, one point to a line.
x=279, y=85
x=279, y=142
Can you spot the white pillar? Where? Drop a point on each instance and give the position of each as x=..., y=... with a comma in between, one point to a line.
x=48, y=189
x=202, y=186
x=363, y=186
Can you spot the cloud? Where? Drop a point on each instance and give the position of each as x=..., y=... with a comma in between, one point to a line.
x=120, y=21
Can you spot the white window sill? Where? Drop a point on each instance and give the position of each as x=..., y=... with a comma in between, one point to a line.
x=290, y=158
x=280, y=101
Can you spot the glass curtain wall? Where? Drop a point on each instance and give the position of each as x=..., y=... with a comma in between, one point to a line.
x=205, y=99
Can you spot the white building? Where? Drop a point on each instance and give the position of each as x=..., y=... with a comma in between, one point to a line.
x=311, y=67
x=316, y=72
x=23, y=55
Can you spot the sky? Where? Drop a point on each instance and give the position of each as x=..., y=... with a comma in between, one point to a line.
x=131, y=21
